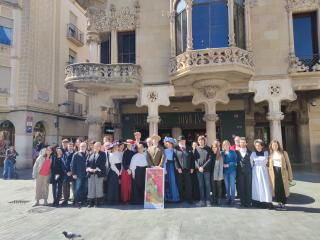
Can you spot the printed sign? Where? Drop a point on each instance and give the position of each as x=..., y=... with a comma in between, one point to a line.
x=29, y=124
x=154, y=188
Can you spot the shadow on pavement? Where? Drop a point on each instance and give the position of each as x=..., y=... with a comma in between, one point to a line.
x=300, y=199
x=303, y=209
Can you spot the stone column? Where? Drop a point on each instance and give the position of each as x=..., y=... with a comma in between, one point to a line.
x=248, y=25
x=249, y=121
x=153, y=97
x=273, y=91
x=232, y=42
x=209, y=93
x=93, y=41
x=94, y=117
x=189, y=24
x=114, y=46
x=173, y=28
x=291, y=36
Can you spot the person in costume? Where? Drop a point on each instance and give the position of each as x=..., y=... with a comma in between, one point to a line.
x=126, y=180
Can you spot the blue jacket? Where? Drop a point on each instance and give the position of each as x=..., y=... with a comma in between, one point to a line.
x=78, y=164
x=231, y=159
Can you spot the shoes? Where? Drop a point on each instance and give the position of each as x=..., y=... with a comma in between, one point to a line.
x=45, y=203
x=35, y=204
x=64, y=203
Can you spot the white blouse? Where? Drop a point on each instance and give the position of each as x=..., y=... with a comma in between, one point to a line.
x=138, y=160
x=276, y=159
x=114, y=158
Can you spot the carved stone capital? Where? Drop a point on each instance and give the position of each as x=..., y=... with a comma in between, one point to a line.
x=211, y=117
x=93, y=37
x=275, y=116
x=153, y=119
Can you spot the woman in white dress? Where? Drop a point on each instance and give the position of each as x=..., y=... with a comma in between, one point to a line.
x=261, y=185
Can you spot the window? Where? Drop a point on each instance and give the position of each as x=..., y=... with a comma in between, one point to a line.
x=72, y=56
x=105, y=50
x=305, y=37
x=210, y=24
x=126, y=47
x=5, y=35
x=181, y=27
x=239, y=23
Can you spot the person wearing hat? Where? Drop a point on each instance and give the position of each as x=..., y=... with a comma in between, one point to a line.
x=185, y=167
x=115, y=161
x=155, y=153
x=126, y=180
x=171, y=161
x=96, y=170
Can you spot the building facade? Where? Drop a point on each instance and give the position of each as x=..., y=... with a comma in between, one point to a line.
x=38, y=39
x=215, y=67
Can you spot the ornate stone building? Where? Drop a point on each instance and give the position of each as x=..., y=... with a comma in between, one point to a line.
x=220, y=67
x=38, y=39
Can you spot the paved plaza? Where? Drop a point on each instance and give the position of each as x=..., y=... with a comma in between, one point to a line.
x=19, y=221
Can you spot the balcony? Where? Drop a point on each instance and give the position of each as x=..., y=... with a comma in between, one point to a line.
x=75, y=35
x=230, y=64
x=100, y=77
x=72, y=108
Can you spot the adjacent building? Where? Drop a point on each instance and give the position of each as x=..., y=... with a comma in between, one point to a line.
x=38, y=39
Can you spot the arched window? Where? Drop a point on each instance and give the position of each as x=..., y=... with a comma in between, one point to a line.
x=210, y=24
x=181, y=27
x=239, y=23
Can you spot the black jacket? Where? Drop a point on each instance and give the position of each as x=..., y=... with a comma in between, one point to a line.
x=185, y=158
x=57, y=169
x=206, y=161
x=97, y=162
x=243, y=163
x=79, y=164
x=126, y=159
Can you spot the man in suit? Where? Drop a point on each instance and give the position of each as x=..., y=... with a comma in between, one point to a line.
x=96, y=171
x=244, y=173
x=155, y=153
x=185, y=167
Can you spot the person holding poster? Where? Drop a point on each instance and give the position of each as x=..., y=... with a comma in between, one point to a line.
x=155, y=153
x=171, y=188
x=137, y=168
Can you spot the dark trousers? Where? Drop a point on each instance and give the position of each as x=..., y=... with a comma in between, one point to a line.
x=80, y=189
x=185, y=185
x=195, y=187
x=204, y=185
x=245, y=189
x=57, y=191
x=217, y=189
x=66, y=191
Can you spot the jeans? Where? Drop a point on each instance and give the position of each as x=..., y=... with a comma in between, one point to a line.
x=79, y=189
x=66, y=191
x=204, y=185
x=230, y=182
x=57, y=191
x=8, y=170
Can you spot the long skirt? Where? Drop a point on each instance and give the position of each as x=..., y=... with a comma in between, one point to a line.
x=261, y=185
x=95, y=187
x=138, y=185
x=42, y=187
x=171, y=188
x=113, y=188
x=125, y=186
x=280, y=195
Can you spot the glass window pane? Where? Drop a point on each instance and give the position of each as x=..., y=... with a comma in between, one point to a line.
x=200, y=26
x=219, y=24
x=178, y=34
x=106, y=51
x=181, y=6
x=126, y=47
x=239, y=25
x=184, y=30
x=5, y=35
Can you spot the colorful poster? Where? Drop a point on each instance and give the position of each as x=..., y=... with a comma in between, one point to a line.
x=154, y=188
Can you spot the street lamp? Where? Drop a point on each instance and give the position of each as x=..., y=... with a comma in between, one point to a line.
x=57, y=120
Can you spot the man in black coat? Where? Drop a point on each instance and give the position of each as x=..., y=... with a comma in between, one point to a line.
x=79, y=174
x=244, y=173
x=96, y=171
x=185, y=167
x=67, y=173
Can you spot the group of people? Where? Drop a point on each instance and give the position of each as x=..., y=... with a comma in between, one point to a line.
x=113, y=172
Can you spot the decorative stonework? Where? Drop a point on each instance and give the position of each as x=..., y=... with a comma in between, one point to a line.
x=125, y=19
x=210, y=91
x=302, y=5
x=153, y=96
x=103, y=73
x=275, y=90
x=211, y=117
x=297, y=66
x=211, y=57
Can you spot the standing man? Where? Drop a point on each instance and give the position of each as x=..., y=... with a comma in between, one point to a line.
x=64, y=145
x=185, y=167
x=244, y=173
x=78, y=169
x=67, y=173
x=155, y=153
x=96, y=169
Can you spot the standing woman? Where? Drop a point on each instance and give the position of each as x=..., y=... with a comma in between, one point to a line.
x=261, y=185
x=280, y=173
x=230, y=167
x=41, y=173
x=217, y=175
x=115, y=161
x=137, y=168
x=57, y=176
x=126, y=180
x=171, y=187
